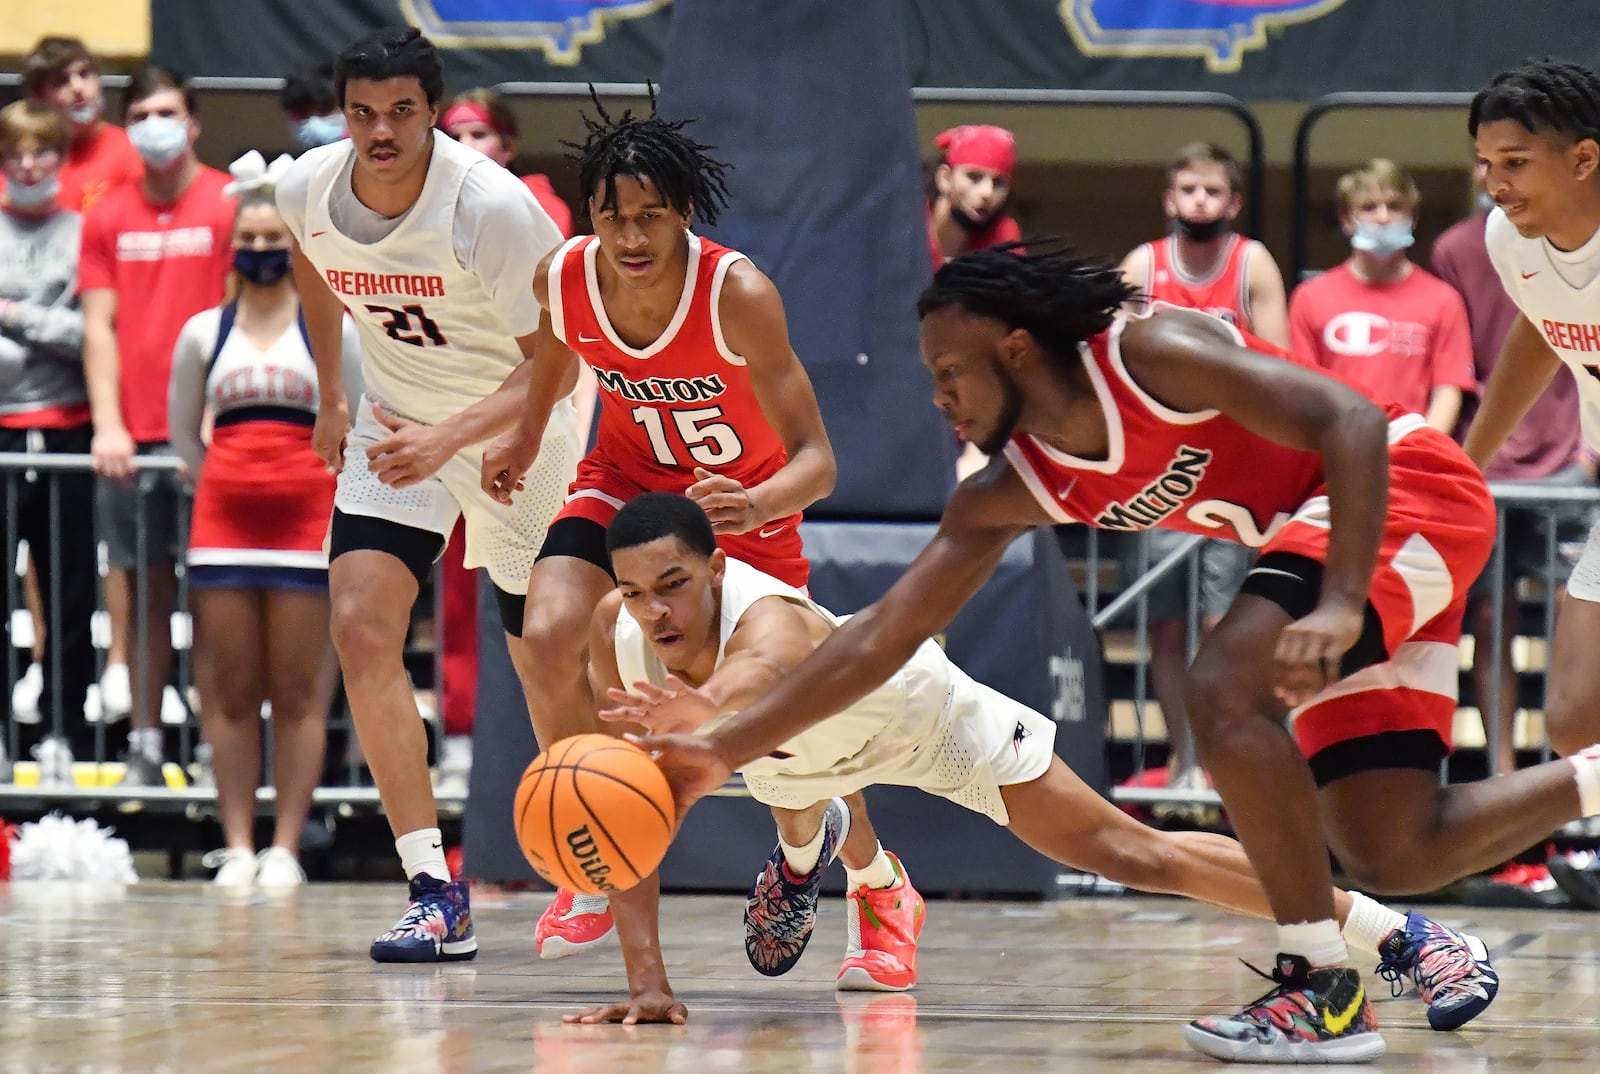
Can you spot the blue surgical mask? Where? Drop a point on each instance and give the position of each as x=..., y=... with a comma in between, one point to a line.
x=318, y=130
x=160, y=140
x=262, y=267
x=1483, y=202
x=31, y=196
x=86, y=113
x=1383, y=240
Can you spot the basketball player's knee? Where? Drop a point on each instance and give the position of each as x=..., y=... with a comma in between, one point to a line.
x=556, y=634
x=1211, y=695
x=1389, y=868
x=359, y=633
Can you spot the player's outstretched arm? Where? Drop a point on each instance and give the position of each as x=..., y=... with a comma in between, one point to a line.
x=756, y=329
x=324, y=315
x=1191, y=363
x=986, y=513
x=1525, y=368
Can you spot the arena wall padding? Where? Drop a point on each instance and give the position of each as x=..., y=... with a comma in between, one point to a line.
x=1025, y=634
x=811, y=104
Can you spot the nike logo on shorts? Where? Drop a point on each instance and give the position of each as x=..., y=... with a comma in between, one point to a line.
x=773, y=532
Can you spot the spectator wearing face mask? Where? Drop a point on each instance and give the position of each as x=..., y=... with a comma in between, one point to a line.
x=155, y=253
x=1383, y=323
x=973, y=186
x=311, y=106
x=62, y=74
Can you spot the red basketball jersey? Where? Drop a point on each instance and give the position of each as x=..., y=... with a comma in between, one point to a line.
x=684, y=400
x=1224, y=293
x=1199, y=473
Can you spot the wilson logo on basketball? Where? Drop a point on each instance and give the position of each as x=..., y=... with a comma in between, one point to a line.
x=586, y=856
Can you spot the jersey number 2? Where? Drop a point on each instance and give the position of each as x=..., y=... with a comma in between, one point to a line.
x=399, y=324
x=710, y=442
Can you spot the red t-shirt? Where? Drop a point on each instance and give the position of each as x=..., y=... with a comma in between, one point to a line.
x=1395, y=341
x=166, y=263
x=1548, y=440
x=104, y=160
x=1001, y=229
x=550, y=202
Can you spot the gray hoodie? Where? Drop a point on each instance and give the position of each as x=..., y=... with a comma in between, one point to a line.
x=41, y=333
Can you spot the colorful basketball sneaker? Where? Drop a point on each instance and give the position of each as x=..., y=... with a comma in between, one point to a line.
x=1451, y=970
x=573, y=923
x=1311, y=1016
x=781, y=910
x=436, y=928
x=881, y=936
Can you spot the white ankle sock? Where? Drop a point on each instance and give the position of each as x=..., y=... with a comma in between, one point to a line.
x=146, y=743
x=803, y=859
x=1586, y=773
x=588, y=904
x=1370, y=923
x=422, y=851
x=878, y=873
x=1318, y=942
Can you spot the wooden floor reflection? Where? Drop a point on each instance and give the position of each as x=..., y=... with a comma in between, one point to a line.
x=180, y=978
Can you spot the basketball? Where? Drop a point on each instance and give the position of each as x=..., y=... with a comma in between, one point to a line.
x=594, y=814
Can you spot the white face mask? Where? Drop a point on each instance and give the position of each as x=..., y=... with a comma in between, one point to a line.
x=31, y=196
x=86, y=113
x=159, y=140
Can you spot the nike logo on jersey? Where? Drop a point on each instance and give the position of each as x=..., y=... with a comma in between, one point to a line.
x=587, y=339
x=773, y=532
x=314, y=234
x=1529, y=275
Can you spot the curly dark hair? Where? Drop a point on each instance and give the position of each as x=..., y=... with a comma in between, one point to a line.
x=1541, y=95
x=648, y=147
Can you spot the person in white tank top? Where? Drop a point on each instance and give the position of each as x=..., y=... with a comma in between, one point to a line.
x=430, y=247
x=1536, y=135
x=698, y=636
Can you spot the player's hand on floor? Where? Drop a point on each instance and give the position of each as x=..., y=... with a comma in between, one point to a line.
x=726, y=502
x=1310, y=651
x=329, y=433
x=506, y=461
x=411, y=453
x=647, y=1007
x=672, y=708
x=692, y=764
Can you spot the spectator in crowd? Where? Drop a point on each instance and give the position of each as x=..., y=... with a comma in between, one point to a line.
x=972, y=185
x=44, y=408
x=481, y=119
x=1386, y=325
x=258, y=574
x=1201, y=264
x=154, y=254
x=62, y=74
x=311, y=106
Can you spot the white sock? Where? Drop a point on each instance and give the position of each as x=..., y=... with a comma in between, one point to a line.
x=1586, y=773
x=803, y=859
x=1318, y=942
x=878, y=873
x=145, y=742
x=588, y=904
x=422, y=851
x=1370, y=923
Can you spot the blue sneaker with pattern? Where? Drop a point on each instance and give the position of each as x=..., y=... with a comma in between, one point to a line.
x=781, y=910
x=1450, y=968
x=436, y=928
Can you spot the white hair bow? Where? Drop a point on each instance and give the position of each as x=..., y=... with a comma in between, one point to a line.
x=252, y=172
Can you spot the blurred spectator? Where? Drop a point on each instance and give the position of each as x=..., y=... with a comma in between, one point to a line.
x=1546, y=447
x=1200, y=264
x=44, y=408
x=258, y=574
x=1388, y=326
x=972, y=185
x=154, y=254
x=480, y=118
x=311, y=106
x=62, y=74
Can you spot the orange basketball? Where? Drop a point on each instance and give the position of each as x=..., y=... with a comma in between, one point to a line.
x=594, y=814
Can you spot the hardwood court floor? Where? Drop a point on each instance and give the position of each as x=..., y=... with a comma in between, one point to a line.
x=180, y=978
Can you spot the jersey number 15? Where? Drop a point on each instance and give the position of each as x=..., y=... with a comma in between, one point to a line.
x=709, y=442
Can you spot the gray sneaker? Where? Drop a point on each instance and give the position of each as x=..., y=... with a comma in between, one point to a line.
x=55, y=762
x=5, y=765
x=142, y=771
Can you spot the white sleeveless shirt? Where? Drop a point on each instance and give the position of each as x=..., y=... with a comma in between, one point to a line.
x=441, y=293
x=870, y=734
x=1559, y=294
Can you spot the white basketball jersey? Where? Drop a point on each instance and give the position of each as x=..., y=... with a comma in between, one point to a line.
x=433, y=340
x=868, y=734
x=1559, y=294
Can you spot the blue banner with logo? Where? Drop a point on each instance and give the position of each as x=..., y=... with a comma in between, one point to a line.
x=1254, y=49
